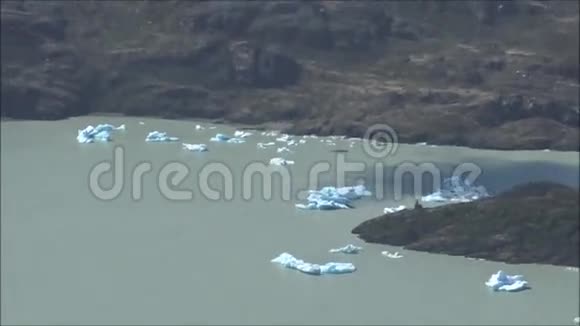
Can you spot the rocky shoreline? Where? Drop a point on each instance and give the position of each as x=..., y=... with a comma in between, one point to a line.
x=492, y=74
x=531, y=223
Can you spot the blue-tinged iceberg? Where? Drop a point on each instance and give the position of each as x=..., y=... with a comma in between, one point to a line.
x=331, y=198
x=289, y=261
x=159, y=137
x=100, y=133
x=195, y=147
x=456, y=190
x=348, y=249
x=221, y=138
x=501, y=281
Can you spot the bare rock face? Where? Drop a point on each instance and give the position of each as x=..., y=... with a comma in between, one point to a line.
x=42, y=75
x=489, y=74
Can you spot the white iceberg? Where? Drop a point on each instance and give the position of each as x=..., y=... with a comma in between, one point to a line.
x=389, y=210
x=501, y=281
x=456, y=190
x=101, y=133
x=226, y=139
x=271, y=133
x=195, y=147
x=242, y=134
x=141, y=123
x=283, y=150
x=280, y=161
x=394, y=255
x=157, y=136
x=264, y=145
x=283, y=138
x=302, y=141
x=330, y=198
x=577, y=320
x=198, y=127
x=348, y=249
x=289, y=261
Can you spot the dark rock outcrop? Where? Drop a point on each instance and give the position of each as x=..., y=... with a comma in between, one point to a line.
x=531, y=223
x=488, y=74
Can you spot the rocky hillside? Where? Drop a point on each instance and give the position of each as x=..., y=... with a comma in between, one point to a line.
x=490, y=74
x=532, y=223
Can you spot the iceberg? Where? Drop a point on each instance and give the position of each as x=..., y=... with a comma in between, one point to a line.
x=242, y=134
x=348, y=249
x=226, y=139
x=330, y=198
x=157, y=136
x=280, y=161
x=389, y=210
x=271, y=133
x=283, y=138
x=289, y=261
x=101, y=133
x=198, y=127
x=577, y=320
x=302, y=141
x=195, y=147
x=394, y=255
x=455, y=190
x=501, y=281
x=141, y=123
x=283, y=149
x=264, y=145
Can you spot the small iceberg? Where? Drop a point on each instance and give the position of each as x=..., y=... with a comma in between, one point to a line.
x=289, y=261
x=280, y=161
x=501, y=281
x=101, y=133
x=264, y=145
x=283, y=138
x=226, y=139
x=390, y=210
x=242, y=134
x=142, y=123
x=394, y=255
x=157, y=136
x=195, y=147
x=283, y=150
x=330, y=198
x=270, y=133
x=302, y=141
x=348, y=249
x=198, y=127
x=455, y=190
x=577, y=320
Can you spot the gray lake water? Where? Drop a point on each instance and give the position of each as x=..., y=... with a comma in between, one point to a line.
x=70, y=258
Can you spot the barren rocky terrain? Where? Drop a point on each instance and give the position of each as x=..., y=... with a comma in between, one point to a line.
x=486, y=74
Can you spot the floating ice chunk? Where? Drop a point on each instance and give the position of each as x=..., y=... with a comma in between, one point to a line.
x=302, y=141
x=292, y=143
x=141, y=123
x=283, y=150
x=283, y=138
x=348, y=249
x=577, y=320
x=212, y=127
x=289, y=261
x=226, y=139
x=101, y=133
x=220, y=138
x=394, y=255
x=455, y=190
x=195, y=147
x=264, y=145
x=421, y=144
x=198, y=127
x=572, y=269
x=329, y=198
x=280, y=161
x=157, y=136
x=242, y=134
x=270, y=133
x=501, y=281
x=389, y=210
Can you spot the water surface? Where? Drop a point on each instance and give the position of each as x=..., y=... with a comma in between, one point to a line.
x=68, y=257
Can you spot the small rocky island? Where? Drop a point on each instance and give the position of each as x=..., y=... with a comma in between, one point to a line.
x=531, y=223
